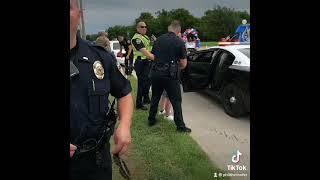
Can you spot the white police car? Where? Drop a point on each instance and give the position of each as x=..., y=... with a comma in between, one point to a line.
x=225, y=70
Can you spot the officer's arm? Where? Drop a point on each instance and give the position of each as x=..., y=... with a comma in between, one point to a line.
x=148, y=54
x=129, y=51
x=125, y=108
x=122, y=135
x=137, y=43
x=121, y=89
x=183, y=56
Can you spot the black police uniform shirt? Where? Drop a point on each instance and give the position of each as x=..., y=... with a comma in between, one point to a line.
x=126, y=43
x=89, y=92
x=169, y=47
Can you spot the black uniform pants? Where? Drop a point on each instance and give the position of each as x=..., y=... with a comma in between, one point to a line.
x=174, y=93
x=142, y=68
x=86, y=168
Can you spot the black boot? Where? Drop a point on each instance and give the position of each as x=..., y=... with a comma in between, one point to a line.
x=183, y=129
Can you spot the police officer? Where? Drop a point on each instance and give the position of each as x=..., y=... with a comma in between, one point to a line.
x=95, y=76
x=170, y=57
x=126, y=43
x=142, y=57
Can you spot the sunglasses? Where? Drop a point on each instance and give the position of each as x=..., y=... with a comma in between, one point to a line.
x=143, y=26
x=123, y=168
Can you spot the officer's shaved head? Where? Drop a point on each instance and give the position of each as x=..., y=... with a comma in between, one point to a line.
x=175, y=27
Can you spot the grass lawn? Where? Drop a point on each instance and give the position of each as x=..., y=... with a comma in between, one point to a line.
x=160, y=152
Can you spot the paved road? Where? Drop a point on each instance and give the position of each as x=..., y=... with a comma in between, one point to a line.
x=218, y=134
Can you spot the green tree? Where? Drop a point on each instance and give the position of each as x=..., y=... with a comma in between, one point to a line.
x=186, y=19
x=220, y=22
x=91, y=37
x=162, y=22
x=164, y=18
x=149, y=20
x=214, y=25
x=115, y=31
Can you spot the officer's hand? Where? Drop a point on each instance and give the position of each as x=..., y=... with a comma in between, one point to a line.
x=72, y=149
x=122, y=139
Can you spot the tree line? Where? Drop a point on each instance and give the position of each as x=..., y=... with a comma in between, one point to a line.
x=213, y=25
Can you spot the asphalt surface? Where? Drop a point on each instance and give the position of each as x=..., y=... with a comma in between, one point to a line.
x=217, y=133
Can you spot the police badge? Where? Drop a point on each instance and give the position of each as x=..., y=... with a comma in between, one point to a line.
x=138, y=41
x=98, y=69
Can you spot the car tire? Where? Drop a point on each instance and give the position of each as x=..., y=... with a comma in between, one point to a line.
x=233, y=98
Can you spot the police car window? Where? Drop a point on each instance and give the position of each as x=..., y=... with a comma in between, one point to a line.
x=215, y=52
x=245, y=51
x=226, y=59
x=205, y=57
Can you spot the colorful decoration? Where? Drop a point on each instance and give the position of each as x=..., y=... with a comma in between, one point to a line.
x=191, y=35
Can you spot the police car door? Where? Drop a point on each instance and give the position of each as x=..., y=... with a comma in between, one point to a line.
x=198, y=72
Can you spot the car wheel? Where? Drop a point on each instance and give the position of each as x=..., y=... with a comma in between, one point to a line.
x=232, y=98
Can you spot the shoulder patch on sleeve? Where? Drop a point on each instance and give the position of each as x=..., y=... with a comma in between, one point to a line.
x=138, y=41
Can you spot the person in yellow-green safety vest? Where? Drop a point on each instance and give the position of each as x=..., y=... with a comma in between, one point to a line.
x=143, y=58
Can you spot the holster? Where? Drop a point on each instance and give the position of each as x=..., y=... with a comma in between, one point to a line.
x=173, y=70
x=170, y=69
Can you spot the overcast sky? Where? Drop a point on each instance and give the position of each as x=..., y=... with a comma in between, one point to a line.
x=101, y=14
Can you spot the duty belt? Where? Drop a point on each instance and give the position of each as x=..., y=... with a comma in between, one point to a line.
x=161, y=67
x=92, y=144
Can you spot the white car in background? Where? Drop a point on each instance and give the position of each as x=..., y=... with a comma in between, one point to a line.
x=115, y=49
